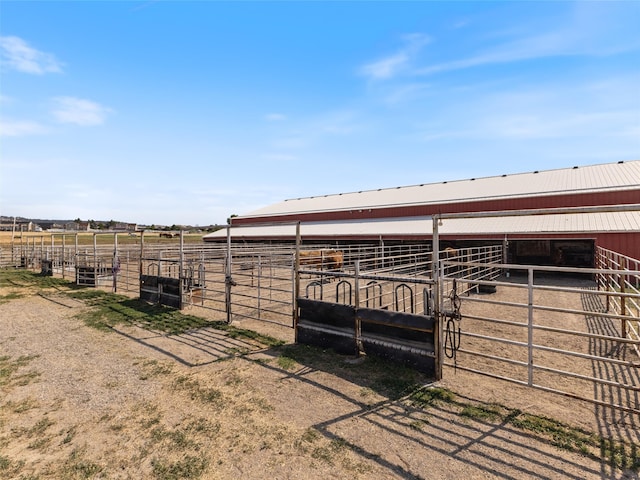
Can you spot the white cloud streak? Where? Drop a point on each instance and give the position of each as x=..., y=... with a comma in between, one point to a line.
x=396, y=63
x=79, y=111
x=18, y=55
x=591, y=29
x=275, y=117
x=20, y=128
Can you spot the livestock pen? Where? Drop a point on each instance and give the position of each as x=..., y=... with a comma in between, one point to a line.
x=565, y=331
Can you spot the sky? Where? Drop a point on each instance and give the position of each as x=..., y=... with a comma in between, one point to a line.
x=185, y=113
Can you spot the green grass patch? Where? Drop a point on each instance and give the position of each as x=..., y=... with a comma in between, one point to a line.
x=77, y=467
x=286, y=363
x=22, y=406
x=198, y=392
x=618, y=454
x=26, y=278
x=429, y=396
x=190, y=466
x=490, y=413
x=10, y=296
x=9, y=468
x=9, y=368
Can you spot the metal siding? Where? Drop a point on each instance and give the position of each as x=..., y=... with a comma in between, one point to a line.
x=594, y=179
x=555, y=201
x=625, y=243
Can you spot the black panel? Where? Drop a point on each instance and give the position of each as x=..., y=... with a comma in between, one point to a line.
x=339, y=343
x=327, y=313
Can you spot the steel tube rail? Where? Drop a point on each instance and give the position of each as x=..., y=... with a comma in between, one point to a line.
x=495, y=339
x=512, y=361
x=586, y=356
x=498, y=321
x=600, y=381
x=586, y=334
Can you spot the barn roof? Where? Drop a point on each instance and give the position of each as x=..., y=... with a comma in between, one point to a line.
x=585, y=179
x=398, y=227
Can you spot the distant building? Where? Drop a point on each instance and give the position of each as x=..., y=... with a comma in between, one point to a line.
x=19, y=227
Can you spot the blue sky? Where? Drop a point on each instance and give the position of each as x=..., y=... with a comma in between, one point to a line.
x=183, y=112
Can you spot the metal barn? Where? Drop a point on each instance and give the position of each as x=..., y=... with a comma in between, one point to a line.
x=403, y=214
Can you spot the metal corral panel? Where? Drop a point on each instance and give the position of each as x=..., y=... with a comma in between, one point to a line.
x=594, y=179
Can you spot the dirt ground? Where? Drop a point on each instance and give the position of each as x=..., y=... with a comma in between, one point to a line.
x=78, y=402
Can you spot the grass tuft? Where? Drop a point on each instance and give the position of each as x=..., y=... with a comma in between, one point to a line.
x=189, y=467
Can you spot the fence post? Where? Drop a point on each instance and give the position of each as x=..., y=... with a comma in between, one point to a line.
x=227, y=283
x=296, y=282
x=435, y=275
x=115, y=263
x=530, y=328
x=141, y=258
x=358, y=322
x=63, y=247
x=623, y=303
x=181, y=282
x=608, y=281
x=95, y=258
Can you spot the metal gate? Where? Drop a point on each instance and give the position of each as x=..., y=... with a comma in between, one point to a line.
x=364, y=311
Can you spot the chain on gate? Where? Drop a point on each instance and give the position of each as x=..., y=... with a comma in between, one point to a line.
x=452, y=327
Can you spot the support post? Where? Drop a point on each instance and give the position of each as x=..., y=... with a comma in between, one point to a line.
x=358, y=320
x=115, y=264
x=530, y=328
x=435, y=275
x=296, y=282
x=623, y=303
x=64, y=236
x=228, y=280
x=95, y=259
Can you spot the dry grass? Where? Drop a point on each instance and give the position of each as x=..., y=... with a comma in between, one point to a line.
x=120, y=401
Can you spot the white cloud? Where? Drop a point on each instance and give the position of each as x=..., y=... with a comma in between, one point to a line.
x=275, y=117
x=387, y=67
x=397, y=95
x=20, y=128
x=392, y=65
x=280, y=157
x=544, y=112
x=592, y=29
x=16, y=54
x=79, y=111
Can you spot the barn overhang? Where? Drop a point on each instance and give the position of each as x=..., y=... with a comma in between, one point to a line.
x=587, y=223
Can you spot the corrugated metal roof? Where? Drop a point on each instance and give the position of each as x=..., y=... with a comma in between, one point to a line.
x=609, y=222
x=594, y=178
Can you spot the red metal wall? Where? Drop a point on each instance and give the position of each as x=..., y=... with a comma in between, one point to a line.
x=548, y=201
x=624, y=243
